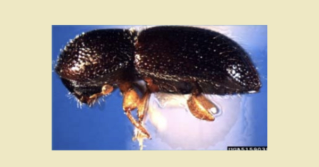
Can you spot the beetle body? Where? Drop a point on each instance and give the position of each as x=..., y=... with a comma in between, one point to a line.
x=177, y=58
x=170, y=59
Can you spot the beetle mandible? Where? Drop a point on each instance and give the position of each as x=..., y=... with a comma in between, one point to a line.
x=169, y=59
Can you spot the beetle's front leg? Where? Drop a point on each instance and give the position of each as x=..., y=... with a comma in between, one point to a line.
x=132, y=101
x=106, y=89
x=141, y=110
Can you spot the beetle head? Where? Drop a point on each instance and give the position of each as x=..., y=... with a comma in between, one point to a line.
x=94, y=59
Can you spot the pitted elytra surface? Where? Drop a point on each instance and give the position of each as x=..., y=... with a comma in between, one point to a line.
x=184, y=55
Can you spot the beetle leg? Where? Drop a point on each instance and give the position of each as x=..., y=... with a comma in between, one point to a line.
x=141, y=110
x=150, y=85
x=200, y=107
x=150, y=88
x=132, y=101
x=106, y=89
x=137, y=124
x=139, y=136
x=143, y=106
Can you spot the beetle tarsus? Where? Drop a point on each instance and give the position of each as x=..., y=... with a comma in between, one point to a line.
x=138, y=125
x=139, y=136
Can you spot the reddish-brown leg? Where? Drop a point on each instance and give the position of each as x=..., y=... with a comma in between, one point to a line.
x=150, y=85
x=143, y=103
x=150, y=88
x=106, y=89
x=143, y=106
x=141, y=111
x=132, y=101
x=200, y=106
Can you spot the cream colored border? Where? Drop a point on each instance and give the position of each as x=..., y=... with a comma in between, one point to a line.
x=26, y=78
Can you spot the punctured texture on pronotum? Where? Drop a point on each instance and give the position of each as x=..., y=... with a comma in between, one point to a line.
x=96, y=58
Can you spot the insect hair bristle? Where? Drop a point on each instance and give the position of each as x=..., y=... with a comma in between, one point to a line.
x=78, y=103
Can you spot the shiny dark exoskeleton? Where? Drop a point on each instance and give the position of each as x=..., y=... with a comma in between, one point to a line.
x=176, y=58
x=95, y=58
x=169, y=59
